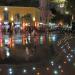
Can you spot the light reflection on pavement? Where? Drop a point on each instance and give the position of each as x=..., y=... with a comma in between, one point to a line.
x=27, y=48
x=45, y=52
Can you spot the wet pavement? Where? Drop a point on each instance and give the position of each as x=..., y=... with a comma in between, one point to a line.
x=22, y=48
x=43, y=54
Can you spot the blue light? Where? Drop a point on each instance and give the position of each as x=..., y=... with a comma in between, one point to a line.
x=53, y=38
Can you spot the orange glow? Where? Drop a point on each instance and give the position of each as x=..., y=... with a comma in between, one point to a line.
x=65, y=62
x=23, y=39
x=60, y=23
x=0, y=18
x=1, y=43
x=11, y=42
x=34, y=19
x=24, y=25
x=38, y=73
x=12, y=19
x=12, y=24
x=36, y=24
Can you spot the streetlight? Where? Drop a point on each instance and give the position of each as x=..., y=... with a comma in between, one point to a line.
x=5, y=8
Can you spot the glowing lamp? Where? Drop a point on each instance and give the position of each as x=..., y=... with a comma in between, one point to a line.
x=33, y=18
x=12, y=18
x=5, y=9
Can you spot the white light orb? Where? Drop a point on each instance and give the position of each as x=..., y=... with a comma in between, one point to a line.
x=24, y=71
x=55, y=72
x=34, y=68
x=5, y=8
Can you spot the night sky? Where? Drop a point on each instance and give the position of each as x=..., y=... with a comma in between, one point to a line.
x=28, y=3
x=34, y=3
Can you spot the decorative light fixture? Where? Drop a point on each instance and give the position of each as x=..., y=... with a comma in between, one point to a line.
x=5, y=8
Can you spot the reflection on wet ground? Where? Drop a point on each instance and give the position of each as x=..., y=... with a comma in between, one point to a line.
x=19, y=48
x=43, y=54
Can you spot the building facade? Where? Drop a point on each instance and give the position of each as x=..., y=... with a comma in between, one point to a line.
x=12, y=11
